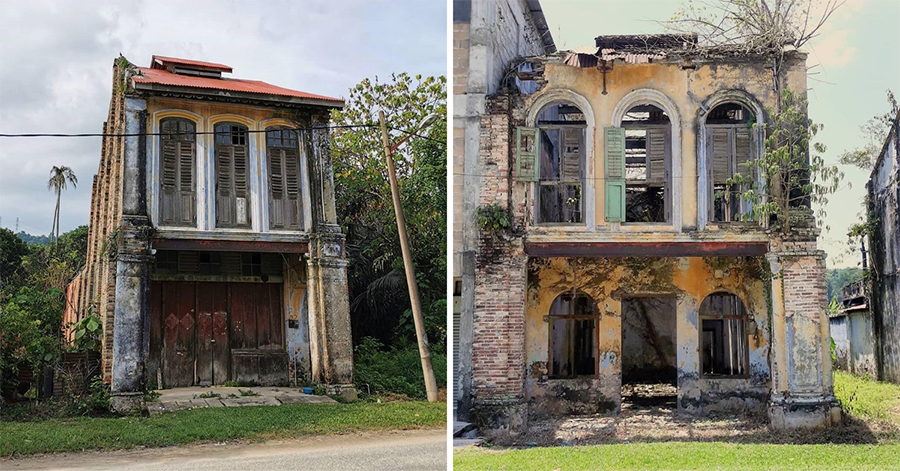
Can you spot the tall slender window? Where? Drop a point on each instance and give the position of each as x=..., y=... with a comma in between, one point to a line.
x=647, y=164
x=562, y=163
x=573, y=335
x=232, y=176
x=723, y=339
x=178, y=194
x=729, y=151
x=283, y=154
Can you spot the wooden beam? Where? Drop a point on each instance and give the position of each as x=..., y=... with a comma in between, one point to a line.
x=645, y=249
x=230, y=246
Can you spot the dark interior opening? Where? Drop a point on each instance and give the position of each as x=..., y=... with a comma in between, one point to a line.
x=649, y=372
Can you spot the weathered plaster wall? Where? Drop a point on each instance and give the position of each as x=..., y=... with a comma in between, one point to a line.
x=607, y=281
x=884, y=243
x=296, y=318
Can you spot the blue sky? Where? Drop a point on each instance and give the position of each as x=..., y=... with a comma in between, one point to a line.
x=56, y=65
x=859, y=56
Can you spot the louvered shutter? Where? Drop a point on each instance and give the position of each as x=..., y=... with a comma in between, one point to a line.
x=573, y=150
x=614, y=157
x=169, y=183
x=224, y=190
x=292, y=188
x=241, y=186
x=656, y=156
x=527, y=146
x=720, y=155
x=276, y=188
x=186, y=182
x=743, y=153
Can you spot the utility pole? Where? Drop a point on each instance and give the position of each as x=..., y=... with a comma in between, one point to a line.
x=415, y=302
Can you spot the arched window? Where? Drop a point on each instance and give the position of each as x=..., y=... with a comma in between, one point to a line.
x=283, y=154
x=561, y=142
x=723, y=339
x=730, y=150
x=232, y=176
x=573, y=335
x=177, y=185
x=648, y=164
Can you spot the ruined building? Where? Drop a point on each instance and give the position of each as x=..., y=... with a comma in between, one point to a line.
x=628, y=259
x=214, y=253
x=487, y=36
x=884, y=250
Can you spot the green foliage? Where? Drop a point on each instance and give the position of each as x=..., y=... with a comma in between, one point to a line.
x=395, y=370
x=87, y=333
x=30, y=322
x=33, y=239
x=837, y=278
x=493, y=219
x=793, y=169
x=435, y=315
x=867, y=399
x=378, y=289
x=12, y=250
x=247, y=392
x=95, y=403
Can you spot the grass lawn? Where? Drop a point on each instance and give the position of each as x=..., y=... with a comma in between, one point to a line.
x=872, y=403
x=215, y=424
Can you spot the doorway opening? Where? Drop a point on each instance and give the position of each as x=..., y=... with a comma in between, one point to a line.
x=649, y=372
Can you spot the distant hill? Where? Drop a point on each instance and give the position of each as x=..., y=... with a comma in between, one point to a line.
x=33, y=239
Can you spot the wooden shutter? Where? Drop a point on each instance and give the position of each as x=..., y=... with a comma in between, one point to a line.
x=276, y=188
x=719, y=155
x=224, y=190
x=614, y=157
x=241, y=186
x=527, y=148
x=169, y=182
x=572, y=152
x=186, y=182
x=292, y=188
x=656, y=157
x=743, y=153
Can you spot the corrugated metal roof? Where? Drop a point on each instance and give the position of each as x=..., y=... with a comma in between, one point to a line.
x=163, y=77
x=160, y=62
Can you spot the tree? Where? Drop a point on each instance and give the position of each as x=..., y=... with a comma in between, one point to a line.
x=12, y=250
x=59, y=178
x=377, y=288
x=793, y=170
x=873, y=134
x=755, y=27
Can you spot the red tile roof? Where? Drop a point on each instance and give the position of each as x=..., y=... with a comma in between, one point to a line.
x=160, y=76
x=160, y=62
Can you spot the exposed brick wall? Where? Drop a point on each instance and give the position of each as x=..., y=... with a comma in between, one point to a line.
x=460, y=57
x=97, y=279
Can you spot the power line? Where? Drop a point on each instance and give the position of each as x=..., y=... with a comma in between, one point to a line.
x=227, y=133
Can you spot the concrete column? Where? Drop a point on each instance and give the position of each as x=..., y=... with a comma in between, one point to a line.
x=131, y=340
x=801, y=394
x=331, y=340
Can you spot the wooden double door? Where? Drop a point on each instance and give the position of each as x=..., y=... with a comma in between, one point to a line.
x=196, y=326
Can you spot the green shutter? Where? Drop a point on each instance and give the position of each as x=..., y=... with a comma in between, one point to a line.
x=614, y=142
x=527, y=150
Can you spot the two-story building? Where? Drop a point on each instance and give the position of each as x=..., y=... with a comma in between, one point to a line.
x=628, y=260
x=214, y=253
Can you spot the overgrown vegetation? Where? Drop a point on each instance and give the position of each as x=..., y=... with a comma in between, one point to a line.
x=868, y=400
x=873, y=133
x=493, y=219
x=387, y=358
x=395, y=370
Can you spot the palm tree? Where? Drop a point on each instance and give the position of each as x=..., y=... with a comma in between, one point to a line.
x=59, y=177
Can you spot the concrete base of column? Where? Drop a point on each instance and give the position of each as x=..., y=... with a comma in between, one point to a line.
x=126, y=401
x=806, y=412
x=347, y=391
x=506, y=416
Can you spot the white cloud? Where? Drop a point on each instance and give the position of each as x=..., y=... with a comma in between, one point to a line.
x=834, y=49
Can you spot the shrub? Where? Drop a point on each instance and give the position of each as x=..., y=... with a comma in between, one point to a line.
x=395, y=370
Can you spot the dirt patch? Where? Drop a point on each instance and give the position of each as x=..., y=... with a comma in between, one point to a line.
x=638, y=423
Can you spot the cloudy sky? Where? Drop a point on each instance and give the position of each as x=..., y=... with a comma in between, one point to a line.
x=56, y=65
x=857, y=57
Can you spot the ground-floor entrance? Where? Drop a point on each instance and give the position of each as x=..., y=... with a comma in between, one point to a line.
x=649, y=342
x=205, y=333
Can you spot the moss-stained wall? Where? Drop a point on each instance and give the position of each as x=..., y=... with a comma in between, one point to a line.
x=608, y=281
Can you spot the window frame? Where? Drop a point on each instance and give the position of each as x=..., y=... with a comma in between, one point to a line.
x=732, y=166
x=668, y=153
x=746, y=333
x=302, y=189
x=561, y=182
x=595, y=316
x=214, y=194
x=193, y=138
